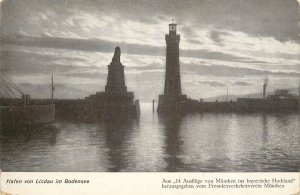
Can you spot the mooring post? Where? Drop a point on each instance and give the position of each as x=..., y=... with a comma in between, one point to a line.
x=153, y=102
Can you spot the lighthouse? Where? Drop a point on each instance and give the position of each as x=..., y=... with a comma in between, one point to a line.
x=172, y=99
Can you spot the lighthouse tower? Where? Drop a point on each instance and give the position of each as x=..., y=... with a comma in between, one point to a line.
x=172, y=98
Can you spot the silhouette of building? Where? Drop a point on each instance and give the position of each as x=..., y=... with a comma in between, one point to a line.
x=115, y=99
x=172, y=99
x=116, y=78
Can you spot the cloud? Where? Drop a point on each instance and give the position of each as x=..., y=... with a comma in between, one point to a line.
x=216, y=55
x=188, y=31
x=108, y=46
x=277, y=60
x=235, y=15
x=150, y=67
x=86, y=74
x=214, y=29
x=26, y=63
x=224, y=83
x=239, y=16
x=29, y=64
x=227, y=71
x=82, y=44
x=213, y=83
x=216, y=36
x=239, y=39
x=242, y=83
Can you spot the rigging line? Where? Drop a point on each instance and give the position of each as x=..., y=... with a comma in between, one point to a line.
x=8, y=88
x=2, y=95
x=9, y=95
x=15, y=86
x=9, y=85
x=5, y=91
x=5, y=96
x=12, y=83
x=7, y=80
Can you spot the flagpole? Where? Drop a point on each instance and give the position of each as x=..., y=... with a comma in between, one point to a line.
x=227, y=94
x=52, y=88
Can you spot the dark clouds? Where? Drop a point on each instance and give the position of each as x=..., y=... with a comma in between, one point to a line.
x=242, y=83
x=20, y=62
x=108, y=46
x=227, y=71
x=216, y=36
x=216, y=70
x=26, y=63
x=223, y=84
x=270, y=18
x=83, y=44
x=235, y=33
x=213, y=55
x=274, y=18
x=213, y=83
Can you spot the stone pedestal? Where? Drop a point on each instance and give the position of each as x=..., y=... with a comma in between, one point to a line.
x=116, y=100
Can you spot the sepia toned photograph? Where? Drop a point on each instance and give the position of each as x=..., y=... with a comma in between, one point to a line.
x=150, y=86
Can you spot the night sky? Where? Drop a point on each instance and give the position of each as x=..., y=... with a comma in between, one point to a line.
x=224, y=43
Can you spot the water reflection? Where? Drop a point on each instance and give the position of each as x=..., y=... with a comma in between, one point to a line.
x=196, y=142
x=265, y=130
x=29, y=134
x=117, y=135
x=23, y=145
x=173, y=142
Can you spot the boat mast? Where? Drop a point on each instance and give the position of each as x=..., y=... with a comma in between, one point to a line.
x=227, y=94
x=52, y=89
x=299, y=91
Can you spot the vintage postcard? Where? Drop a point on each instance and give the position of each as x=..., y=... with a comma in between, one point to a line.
x=176, y=96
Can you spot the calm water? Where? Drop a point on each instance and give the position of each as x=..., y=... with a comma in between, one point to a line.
x=198, y=142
